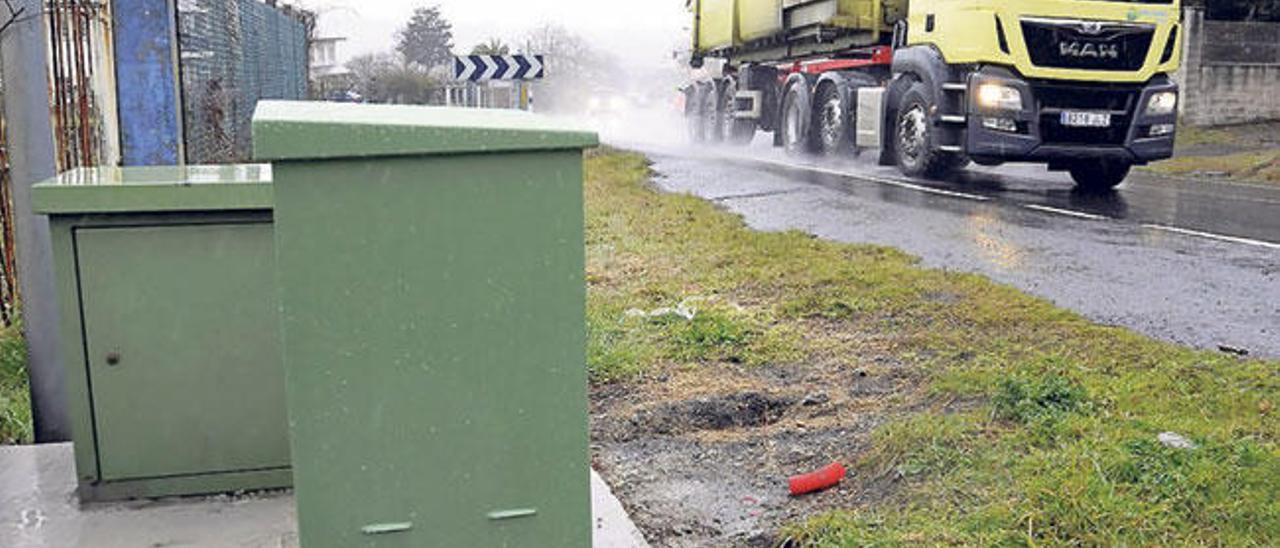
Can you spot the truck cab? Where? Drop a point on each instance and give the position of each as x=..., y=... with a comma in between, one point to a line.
x=1081, y=85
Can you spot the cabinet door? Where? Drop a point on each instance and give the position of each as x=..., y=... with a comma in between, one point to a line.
x=434, y=349
x=181, y=337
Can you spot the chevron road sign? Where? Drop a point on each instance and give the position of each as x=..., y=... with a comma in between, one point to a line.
x=478, y=68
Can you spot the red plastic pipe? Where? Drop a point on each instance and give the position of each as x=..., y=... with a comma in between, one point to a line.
x=824, y=478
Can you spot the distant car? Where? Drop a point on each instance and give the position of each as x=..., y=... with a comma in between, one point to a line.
x=608, y=106
x=349, y=96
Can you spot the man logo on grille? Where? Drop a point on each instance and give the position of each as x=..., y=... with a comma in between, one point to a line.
x=1091, y=28
x=1082, y=50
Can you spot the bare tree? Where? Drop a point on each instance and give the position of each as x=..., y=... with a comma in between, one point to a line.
x=574, y=69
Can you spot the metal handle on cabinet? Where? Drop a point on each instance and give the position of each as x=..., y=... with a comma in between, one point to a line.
x=113, y=358
x=385, y=528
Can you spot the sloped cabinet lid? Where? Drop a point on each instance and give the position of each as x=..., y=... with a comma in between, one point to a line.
x=296, y=130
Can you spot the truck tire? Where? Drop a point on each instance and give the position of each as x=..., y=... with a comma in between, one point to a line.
x=692, y=116
x=832, y=124
x=734, y=130
x=796, y=118
x=709, y=111
x=914, y=135
x=1099, y=175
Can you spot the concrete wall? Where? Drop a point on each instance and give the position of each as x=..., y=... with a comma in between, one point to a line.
x=23, y=57
x=1230, y=71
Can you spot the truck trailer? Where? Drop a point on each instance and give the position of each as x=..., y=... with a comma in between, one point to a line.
x=1080, y=85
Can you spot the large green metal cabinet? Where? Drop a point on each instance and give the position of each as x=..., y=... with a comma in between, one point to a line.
x=431, y=281
x=169, y=329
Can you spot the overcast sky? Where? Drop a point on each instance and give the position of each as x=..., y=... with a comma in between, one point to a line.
x=643, y=32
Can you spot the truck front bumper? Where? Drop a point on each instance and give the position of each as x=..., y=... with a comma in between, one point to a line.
x=1035, y=133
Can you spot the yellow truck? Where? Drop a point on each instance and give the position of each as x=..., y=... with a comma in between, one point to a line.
x=1080, y=85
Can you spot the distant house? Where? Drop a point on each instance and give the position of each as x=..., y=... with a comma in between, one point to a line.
x=324, y=58
x=328, y=75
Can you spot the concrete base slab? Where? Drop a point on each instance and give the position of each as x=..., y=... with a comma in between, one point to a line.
x=39, y=509
x=611, y=526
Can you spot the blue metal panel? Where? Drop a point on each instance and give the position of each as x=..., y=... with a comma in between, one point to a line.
x=147, y=82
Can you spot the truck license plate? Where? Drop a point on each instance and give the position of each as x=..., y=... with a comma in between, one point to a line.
x=1072, y=118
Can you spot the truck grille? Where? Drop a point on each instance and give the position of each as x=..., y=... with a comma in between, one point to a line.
x=1092, y=45
x=1053, y=98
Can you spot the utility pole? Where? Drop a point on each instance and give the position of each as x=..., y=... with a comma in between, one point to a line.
x=23, y=52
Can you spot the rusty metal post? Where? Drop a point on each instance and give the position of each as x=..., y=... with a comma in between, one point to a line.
x=23, y=50
x=8, y=278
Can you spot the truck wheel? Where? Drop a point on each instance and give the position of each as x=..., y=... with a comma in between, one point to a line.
x=1099, y=176
x=734, y=130
x=795, y=121
x=709, y=109
x=692, y=115
x=831, y=124
x=914, y=139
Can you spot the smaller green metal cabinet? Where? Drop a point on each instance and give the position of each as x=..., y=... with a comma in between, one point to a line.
x=432, y=298
x=169, y=329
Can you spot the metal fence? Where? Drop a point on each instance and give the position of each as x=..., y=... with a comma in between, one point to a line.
x=82, y=101
x=8, y=260
x=234, y=53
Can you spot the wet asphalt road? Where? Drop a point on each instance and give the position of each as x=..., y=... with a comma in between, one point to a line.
x=1192, y=262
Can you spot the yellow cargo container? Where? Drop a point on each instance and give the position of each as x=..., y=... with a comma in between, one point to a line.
x=759, y=19
x=723, y=24
x=717, y=24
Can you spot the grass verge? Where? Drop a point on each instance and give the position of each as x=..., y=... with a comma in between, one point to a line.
x=15, y=399
x=1261, y=166
x=1029, y=426
x=1246, y=152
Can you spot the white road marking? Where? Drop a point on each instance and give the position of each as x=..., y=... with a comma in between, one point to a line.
x=928, y=189
x=882, y=180
x=1212, y=236
x=1035, y=207
x=1067, y=212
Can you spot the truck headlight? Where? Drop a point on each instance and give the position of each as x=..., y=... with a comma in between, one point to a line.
x=999, y=96
x=1162, y=103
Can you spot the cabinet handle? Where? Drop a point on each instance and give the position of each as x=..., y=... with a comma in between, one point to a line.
x=113, y=358
x=512, y=514
x=384, y=528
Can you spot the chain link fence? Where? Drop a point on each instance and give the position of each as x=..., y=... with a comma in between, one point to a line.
x=234, y=53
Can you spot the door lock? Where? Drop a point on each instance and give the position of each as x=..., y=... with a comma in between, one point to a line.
x=113, y=358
